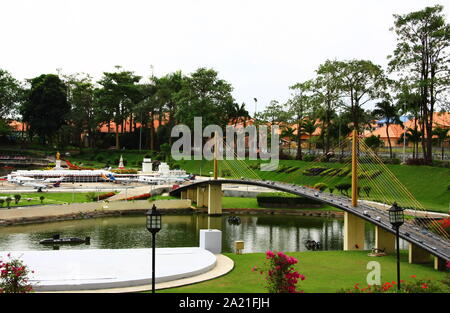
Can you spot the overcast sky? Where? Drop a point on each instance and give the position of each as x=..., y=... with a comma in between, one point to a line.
x=260, y=47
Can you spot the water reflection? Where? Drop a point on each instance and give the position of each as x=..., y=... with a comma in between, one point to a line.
x=260, y=232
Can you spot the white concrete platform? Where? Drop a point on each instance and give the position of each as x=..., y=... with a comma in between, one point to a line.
x=65, y=270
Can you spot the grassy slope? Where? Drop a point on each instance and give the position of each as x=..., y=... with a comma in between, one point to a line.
x=427, y=184
x=325, y=271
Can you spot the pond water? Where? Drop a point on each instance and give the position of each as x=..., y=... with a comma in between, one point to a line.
x=260, y=233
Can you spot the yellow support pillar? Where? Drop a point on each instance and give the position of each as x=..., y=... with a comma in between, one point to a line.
x=384, y=240
x=194, y=194
x=216, y=153
x=354, y=234
x=215, y=199
x=184, y=195
x=418, y=255
x=202, y=201
x=439, y=264
x=190, y=194
x=355, y=168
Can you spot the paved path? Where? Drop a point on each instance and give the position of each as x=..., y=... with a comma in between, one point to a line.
x=137, y=191
x=73, y=210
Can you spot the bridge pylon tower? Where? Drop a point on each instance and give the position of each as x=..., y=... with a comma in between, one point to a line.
x=354, y=226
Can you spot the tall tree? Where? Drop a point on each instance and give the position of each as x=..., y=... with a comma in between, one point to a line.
x=387, y=111
x=166, y=89
x=328, y=93
x=309, y=127
x=360, y=81
x=46, y=109
x=421, y=57
x=441, y=137
x=119, y=93
x=11, y=94
x=83, y=114
x=301, y=105
x=204, y=95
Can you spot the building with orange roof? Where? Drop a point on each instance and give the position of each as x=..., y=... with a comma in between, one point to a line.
x=395, y=131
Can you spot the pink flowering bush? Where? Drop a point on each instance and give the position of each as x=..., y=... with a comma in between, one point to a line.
x=14, y=276
x=281, y=275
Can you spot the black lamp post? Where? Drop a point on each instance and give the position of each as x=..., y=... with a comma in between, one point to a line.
x=153, y=226
x=396, y=218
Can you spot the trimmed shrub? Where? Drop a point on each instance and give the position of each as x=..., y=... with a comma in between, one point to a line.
x=291, y=170
x=17, y=198
x=309, y=158
x=343, y=188
x=225, y=173
x=91, y=196
x=367, y=190
x=286, y=199
x=314, y=171
x=419, y=161
x=321, y=186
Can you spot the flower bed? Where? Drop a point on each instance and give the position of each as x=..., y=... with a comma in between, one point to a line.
x=104, y=196
x=412, y=286
x=140, y=197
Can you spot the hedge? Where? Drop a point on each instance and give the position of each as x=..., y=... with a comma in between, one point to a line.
x=283, y=197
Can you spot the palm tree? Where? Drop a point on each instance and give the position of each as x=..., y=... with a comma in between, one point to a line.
x=309, y=127
x=414, y=136
x=288, y=132
x=442, y=136
x=389, y=112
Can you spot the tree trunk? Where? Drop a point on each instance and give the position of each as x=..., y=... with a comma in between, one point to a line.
x=117, y=136
x=389, y=140
x=299, y=140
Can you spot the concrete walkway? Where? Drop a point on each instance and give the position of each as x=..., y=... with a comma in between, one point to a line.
x=46, y=213
x=137, y=191
x=224, y=265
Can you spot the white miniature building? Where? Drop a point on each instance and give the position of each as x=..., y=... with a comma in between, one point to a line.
x=164, y=169
x=147, y=166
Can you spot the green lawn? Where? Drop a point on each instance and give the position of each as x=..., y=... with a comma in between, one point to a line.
x=50, y=198
x=427, y=184
x=325, y=271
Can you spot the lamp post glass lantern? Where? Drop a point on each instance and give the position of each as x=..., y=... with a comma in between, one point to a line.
x=153, y=226
x=397, y=218
x=153, y=220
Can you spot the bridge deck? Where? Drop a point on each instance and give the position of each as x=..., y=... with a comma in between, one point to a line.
x=410, y=232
